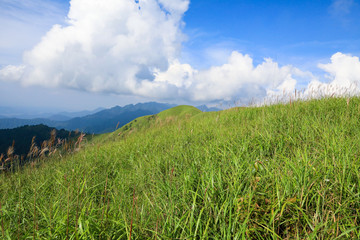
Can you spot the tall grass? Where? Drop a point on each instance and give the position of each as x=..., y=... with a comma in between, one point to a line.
x=48, y=148
x=274, y=172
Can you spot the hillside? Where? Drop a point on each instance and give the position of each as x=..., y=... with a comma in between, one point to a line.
x=164, y=117
x=100, y=122
x=274, y=172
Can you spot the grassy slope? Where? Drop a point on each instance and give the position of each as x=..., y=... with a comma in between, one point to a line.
x=278, y=172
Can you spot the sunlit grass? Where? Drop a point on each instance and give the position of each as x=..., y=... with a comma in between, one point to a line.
x=275, y=172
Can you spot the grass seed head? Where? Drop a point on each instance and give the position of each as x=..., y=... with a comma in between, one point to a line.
x=10, y=151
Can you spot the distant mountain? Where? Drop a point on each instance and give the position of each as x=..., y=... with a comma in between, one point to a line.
x=10, y=123
x=22, y=136
x=205, y=108
x=59, y=117
x=107, y=120
x=64, y=116
x=99, y=122
x=24, y=113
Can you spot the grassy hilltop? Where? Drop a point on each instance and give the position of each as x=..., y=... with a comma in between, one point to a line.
x=274, y=172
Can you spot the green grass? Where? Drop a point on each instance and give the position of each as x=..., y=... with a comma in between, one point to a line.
x=275, y=172
x=179, y=112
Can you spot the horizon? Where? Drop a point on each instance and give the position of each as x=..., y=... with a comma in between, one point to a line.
x=34, y=113
x=206, y=52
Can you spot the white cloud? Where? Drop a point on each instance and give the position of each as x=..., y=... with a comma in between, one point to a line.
x=23, y=22
x=343, y=69
x=107, y=45
x=343, y=73
x=177, y=7
x=237, y=79
x=12, y=73
x=132, y=48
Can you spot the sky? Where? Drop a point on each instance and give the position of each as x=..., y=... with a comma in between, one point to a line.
x=58, y=55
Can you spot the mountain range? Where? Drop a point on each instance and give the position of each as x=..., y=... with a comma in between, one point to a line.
x=106, y=120
x=96, y=121
x=32, y=113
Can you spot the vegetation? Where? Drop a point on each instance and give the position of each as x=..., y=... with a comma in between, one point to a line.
x=275, y=172
x=22, y=137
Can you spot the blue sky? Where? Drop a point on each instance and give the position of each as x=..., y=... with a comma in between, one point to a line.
x=203, y=51
x=289, y=31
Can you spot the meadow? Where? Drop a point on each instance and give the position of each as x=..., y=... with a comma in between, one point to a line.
x=284, y=171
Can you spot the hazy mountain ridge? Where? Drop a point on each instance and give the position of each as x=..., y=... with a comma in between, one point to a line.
x=25, y=113
x=69, y=115
x=10, y=123
x=100, y=122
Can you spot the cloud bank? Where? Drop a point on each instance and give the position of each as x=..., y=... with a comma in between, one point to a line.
x=133, y=48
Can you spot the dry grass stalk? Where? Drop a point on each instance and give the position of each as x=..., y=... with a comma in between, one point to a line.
x=44, y=144
x=53, y=134
x=59, y=142
x=44, y=148
x=10, y=155
x=10, y=151
x=43, y=151
x=79, y=141
x=34, y=150
x=52, y=152
x=51, y=142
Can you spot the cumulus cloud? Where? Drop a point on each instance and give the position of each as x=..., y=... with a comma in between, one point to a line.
x=238, y=78
x=133, y=48
x=343, y=74
x=107, y=45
